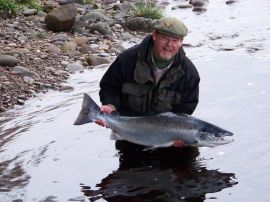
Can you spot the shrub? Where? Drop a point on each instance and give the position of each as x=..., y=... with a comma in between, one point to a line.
x=148, y=9
x=9, y=5
x=87, y=1
x=30, y=4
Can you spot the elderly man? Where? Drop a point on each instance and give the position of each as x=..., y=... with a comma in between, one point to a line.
x=152, y=77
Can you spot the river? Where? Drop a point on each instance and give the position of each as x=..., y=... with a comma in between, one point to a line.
x=44, y=157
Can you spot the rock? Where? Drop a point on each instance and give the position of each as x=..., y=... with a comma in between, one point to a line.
x=182, y=6
x=94, y=60
x=20, y=101
x=65, y=2
x=8, y=60
x=126, y=36
x=80, y=41
x=198, y=3
x=66, y=88
x=140, y=24
x=3, y=109
x=231, y=1
x=20, y=70
x=94, y=16
x=28, y=12
x=124, y=7
x=19, y=51
x=74, y=67
x=53, y=50
x=85, y=49
x=61, y=18
x=102, y=28
x=69, y=47
x=28, y=79
x=199, y=9
x=106, y=2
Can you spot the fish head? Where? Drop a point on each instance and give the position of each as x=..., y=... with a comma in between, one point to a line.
x=205, y=139
x=210, y=135
x=214, y=130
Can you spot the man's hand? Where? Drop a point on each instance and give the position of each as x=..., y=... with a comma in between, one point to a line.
x=107, y=109
x=178, y=143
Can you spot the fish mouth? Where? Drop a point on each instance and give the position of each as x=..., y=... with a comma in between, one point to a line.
x=211, y=140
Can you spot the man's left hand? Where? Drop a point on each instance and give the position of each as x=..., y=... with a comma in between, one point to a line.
x=178, y=143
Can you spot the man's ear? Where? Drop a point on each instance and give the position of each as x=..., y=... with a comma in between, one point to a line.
x=154, y=35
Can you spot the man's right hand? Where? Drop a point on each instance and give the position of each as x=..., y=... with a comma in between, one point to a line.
x=106, y=109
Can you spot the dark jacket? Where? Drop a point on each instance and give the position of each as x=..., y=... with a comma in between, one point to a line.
x=129, y=84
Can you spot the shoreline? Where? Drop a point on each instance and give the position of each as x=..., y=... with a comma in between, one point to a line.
x=38, y=59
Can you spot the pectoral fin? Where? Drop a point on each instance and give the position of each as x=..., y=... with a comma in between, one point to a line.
x=167, y=144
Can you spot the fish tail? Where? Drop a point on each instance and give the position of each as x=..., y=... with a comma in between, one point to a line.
x=89, y=113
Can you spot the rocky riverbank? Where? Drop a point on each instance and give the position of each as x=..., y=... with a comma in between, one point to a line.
x=34, y=59
x=40, y=49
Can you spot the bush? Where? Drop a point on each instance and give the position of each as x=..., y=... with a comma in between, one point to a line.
x=9, y=5
x=148, y=9
x=9, y=8
x=87, y=1
x=30, y=4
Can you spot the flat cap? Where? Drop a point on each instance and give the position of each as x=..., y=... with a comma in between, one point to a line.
x=171, y=26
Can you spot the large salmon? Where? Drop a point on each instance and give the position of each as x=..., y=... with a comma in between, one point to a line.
x=155, y=131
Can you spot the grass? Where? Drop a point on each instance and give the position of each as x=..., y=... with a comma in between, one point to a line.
x=12, y=6
x=148, y=10
x=9, y=5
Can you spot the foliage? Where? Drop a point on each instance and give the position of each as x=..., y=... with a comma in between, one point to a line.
x=87, y=1
x=148, y=9
x=12, y=6
x=30, y=4
x=9, y=5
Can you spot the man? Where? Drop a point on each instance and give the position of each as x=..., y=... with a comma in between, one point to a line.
x=152, y=77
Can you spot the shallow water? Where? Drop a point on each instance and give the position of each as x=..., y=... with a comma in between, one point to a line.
x=43, y=157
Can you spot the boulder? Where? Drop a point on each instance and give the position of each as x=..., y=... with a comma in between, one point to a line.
x=61, y=18
x=8, y=60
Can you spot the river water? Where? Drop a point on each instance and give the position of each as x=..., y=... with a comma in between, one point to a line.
x=43, y=157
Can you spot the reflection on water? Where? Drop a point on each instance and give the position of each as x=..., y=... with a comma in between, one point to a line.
x=162, y=175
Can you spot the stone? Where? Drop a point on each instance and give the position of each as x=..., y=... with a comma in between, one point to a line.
x=61, y=18
x=94, y=60
x=8, y=60
x=74, y=67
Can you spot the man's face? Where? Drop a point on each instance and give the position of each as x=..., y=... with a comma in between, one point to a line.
x=166, y=46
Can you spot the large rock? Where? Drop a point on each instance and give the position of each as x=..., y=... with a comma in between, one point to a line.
x=8, y=60
x=94, y=60
x=61, y=18
x=140, y=24
x=95, y=16
x=102, y=27
x=199, y=3
x=20, y=70
x=65, y=2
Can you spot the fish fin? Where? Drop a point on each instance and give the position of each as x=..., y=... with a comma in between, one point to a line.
x=151, y=148
x=115, y=136
x=168, y=144
x=89, y=112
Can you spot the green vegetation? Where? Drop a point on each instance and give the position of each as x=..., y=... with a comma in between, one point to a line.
x=87, y=1
x=30, y=4
x=12, y=6
x=9, y=5
x=148, y=9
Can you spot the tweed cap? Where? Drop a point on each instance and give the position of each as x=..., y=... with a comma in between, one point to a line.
x=171, y=26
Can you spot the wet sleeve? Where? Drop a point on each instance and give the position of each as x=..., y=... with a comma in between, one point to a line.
x=190, y=99
x=190, y=94
x=111, y=84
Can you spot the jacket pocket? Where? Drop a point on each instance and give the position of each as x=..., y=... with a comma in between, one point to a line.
x=135, y=97
x=167, y=100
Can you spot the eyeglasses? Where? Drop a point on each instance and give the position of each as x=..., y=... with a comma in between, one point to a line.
x=169, y=39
